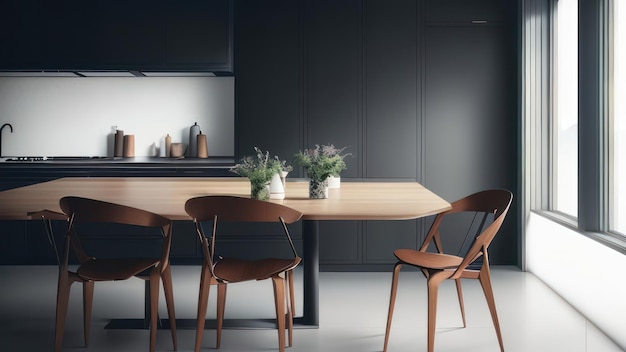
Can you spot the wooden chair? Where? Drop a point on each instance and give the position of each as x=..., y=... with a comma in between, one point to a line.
x=222, y=271
x=82, y=210
x=474, y=264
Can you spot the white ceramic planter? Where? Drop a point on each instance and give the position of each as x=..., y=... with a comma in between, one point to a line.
x=334, y=182
x=277, y=186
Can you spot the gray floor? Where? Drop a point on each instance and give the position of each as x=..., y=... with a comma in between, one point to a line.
x=352, y=315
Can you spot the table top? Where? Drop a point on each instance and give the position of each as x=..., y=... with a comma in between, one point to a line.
x=167, y=195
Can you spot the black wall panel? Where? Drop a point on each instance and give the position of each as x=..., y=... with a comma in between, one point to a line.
x=451, y=11
x=332, y=105
x=391, y=89
x=340, y=242
x=383, y=237
x=470, y=118
x=267, y=77
x=416, y=89
x=332, y=75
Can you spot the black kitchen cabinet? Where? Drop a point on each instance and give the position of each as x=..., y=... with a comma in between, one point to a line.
x=382, y=238
x=332, y=36
x=421, y=90
x=267, y=65
x=141, y=35
x=198, y=34
x=470, y=116
x=392, y=102
x=26, y=242
x=469, y=10
x=362, y=79
x=107, y=35
x=418, y=90
x=392, y=96
x=69, y=34
x=21, y=26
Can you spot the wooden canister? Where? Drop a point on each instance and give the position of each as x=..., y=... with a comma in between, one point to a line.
x=203, y=150
x=129, y=145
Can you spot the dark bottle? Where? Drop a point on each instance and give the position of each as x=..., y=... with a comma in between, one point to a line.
x=194, y=131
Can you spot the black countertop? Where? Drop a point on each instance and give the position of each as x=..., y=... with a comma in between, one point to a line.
x=74, y=161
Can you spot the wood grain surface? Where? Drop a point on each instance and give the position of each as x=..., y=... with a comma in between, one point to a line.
x=167, y=196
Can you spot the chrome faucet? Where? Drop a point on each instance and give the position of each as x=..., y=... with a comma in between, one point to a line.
x=1, y=128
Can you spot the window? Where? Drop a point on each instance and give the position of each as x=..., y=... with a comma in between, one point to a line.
x=617, y=217
x=574, y=115
x=564, y=177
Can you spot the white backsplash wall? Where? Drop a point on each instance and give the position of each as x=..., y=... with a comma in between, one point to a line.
x=75, y=116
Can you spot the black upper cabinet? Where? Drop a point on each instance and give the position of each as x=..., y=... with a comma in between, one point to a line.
x=267, y=93
x=199, y=35
x=97, y=35
x=468, y=10
x=20, y=33
x=141, y=35
x=125, y=33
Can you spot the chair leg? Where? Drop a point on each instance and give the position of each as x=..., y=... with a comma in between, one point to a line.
x=63, y=297
x=279, y=301
x=434, y=280
x=166, y=277
x=154, y=306
x=88, y=287
x=459, y=292
x=221, y=305
x=203, y=300
x=392, y=302
x=291, y=307
x=485, y=282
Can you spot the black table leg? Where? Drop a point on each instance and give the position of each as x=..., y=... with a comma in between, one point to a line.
x=310, y=234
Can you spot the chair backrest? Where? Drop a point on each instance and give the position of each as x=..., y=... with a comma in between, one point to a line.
x=495, y=202
x=239, y=209
x=91, y=210
x=85, y=210
x=236, y=209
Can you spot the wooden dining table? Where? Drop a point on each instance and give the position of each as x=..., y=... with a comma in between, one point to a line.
x=167, y=196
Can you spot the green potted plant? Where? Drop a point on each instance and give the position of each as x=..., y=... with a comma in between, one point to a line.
x=319, y=163
x=259, y=170
x=334, y=180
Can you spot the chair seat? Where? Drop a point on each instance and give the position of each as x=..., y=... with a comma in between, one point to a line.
x=114, y=269
x=427, y=260
x=237, y=270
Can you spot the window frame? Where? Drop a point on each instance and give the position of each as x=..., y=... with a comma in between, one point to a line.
x=611, y=116
x=594, y=137
x=552, y=136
